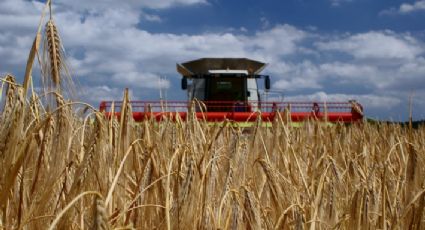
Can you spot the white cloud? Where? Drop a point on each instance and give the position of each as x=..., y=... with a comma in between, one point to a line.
x=382, y=60
x=409, y=76
x=130, y=4
x=376, y=45
x=388, y=78
x=160, y=4
x=265, y=23
x=308, y=75
x=16, y=50
x=137, y=80
x=13, y=7
x=101, y=93
x=339, y=2
x=19, y=17
x=281, y=40
x=293, y=77
x=152, y=18
x=350, y=71
x=109, y=48
x=405, y=8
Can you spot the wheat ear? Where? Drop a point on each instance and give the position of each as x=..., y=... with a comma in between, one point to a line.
x=53, y=43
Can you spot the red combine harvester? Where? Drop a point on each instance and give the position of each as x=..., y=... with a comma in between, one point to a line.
x=226, y=89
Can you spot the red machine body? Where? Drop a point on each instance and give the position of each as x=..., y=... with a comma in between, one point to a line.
x=227, y=89
x=345, y=112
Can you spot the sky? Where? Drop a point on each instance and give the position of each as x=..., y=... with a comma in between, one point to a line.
x=372, y=51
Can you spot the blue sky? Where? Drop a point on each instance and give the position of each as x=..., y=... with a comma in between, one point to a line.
x=369, y=50
x=328, y=16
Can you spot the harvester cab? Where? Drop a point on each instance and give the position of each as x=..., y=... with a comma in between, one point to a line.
x=223, y=84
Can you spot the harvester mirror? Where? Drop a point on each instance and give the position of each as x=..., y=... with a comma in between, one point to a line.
x=267, y=82
x=184, y=83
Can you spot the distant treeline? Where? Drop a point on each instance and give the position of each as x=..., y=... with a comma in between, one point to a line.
x=415, y=124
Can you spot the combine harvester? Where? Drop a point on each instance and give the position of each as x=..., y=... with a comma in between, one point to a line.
x=221, y=89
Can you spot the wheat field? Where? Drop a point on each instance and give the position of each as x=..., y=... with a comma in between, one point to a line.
x=64, y=165
x=64, y=170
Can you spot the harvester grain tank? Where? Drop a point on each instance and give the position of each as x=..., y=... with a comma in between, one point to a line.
x=221, y=89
